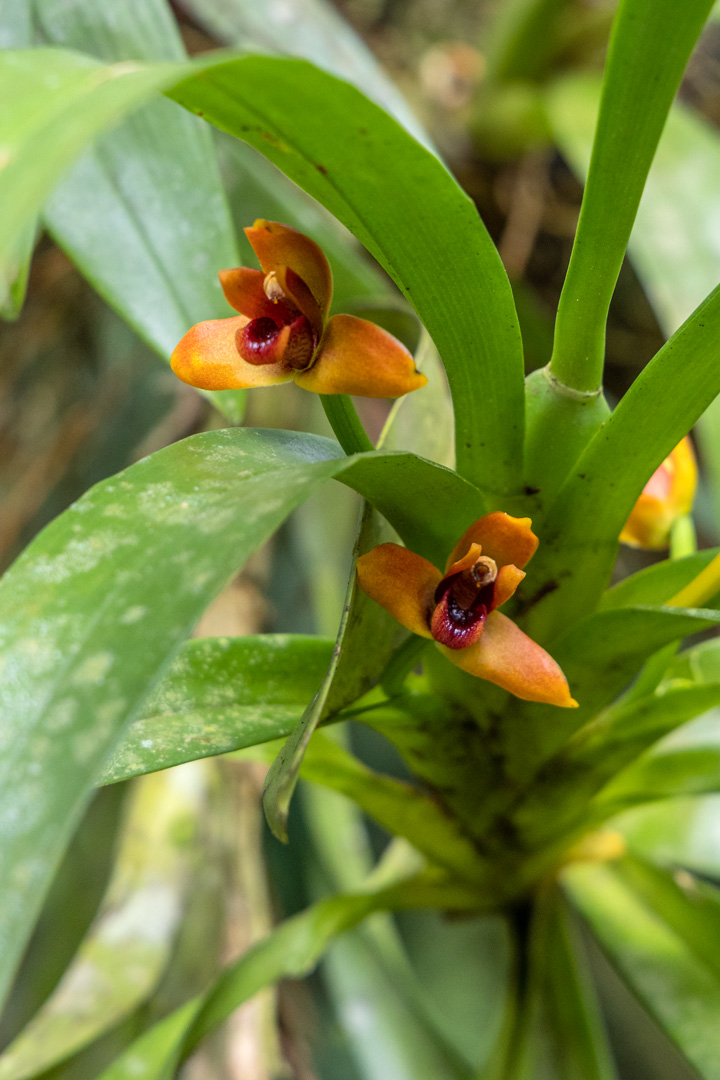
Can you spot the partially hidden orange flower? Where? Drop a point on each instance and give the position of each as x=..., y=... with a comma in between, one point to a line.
x=459, y=609
x=667, y=496
x=283, y=331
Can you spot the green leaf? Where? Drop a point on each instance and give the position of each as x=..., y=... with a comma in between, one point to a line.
x=364, y=642
x=151, y=188
x=700, y=664
x=650, y=45
x=154, y=544
x=559, y=795
x=601, y=654
x=367, y=171
x=290, y=951
x=95, y=608
x=221, y=694
x=125, y=950
x=676, y=832
x=15, y=33
x=60, y=102
x=658, y=583
x=580, y=542
x=652, y=939
x=313, y=30
x=428, y=505
x=687, y=762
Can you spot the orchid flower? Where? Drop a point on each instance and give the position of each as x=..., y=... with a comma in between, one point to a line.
x=283, y=331
x=458, y=609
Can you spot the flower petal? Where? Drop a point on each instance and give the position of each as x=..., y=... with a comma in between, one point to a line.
x=279, y=246
x=507, y=581
x=504, y=538
x=469, y=559
x=358, y=357
x=244, y=291
x=506, y=656
x=402, y=582
x=207, y=358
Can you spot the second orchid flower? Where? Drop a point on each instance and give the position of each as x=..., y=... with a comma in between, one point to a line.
x=457, y=609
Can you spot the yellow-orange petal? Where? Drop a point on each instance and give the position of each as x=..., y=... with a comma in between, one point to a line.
x=278, y=246
x=243, y=289
x=507, y=581
x=503, y=538
x=506, y=656
x=207, y=358
x=667, y=496
x=358, y=357
x=402, y=582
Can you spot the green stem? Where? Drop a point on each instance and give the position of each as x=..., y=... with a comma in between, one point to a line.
x=345, y=422
x=401, y=663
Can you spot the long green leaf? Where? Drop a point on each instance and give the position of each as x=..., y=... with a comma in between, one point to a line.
x=100, y=602
x=650, y=45
x=291, y=951
x=131, y=939
x=166, y=227
x=368, y=171
x=313, y=30
x=658, y=583
x=15, y=33
x=559, y=796
x=686, y=763
x=389, y=1018
x=657, y=956
x=603, y=652
x=601, y=655
x=221, y=694
x=676, y=832
x=255, y=189
x=96, y=607
x=60, y=102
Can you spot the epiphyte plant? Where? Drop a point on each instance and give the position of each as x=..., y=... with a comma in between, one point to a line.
x=503, y=807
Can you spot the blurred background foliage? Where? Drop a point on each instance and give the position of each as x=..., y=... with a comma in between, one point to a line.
x=82, y=395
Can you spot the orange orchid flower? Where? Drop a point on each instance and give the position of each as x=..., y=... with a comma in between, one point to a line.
x=667, y=496
x=283, y=331
x=458, y=609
